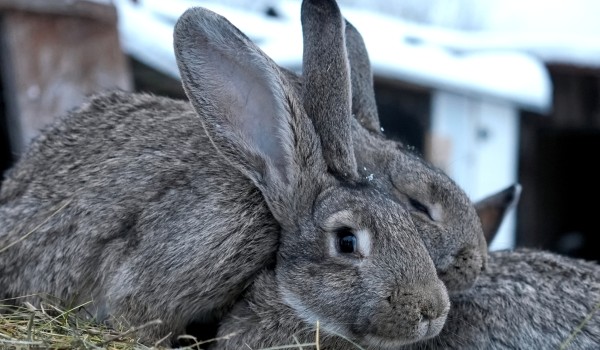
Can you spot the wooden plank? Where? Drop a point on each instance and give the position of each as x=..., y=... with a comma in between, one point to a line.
x=76, y=8
x=49, y=65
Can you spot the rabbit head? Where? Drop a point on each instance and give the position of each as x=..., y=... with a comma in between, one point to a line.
x=443, y=214
x=349, y=255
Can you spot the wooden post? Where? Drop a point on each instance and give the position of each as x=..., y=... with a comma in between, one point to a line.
x=52, y=55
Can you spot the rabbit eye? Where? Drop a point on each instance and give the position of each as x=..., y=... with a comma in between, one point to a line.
x=420, y=207
x=346, y=241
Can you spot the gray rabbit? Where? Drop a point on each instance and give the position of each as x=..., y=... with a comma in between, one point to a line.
x=155, y=210
x=525, y=299
x=442, y=212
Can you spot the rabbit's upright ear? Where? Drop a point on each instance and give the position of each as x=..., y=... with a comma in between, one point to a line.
x=364, y=106
x=243, y=101
x=491, y=210
x=327, y=90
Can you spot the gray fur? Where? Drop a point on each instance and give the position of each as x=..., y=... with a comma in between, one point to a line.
x=156, y=210
x=364, y=106
x=451, y=228
x=524, y=300
x=327, y=90
x=453, y=234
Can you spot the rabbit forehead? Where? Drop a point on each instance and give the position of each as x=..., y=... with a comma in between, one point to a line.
x=406, y=171
x=360, y=207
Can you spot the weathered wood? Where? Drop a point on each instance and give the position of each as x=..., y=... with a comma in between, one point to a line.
x=75, y=8
x=50, y=63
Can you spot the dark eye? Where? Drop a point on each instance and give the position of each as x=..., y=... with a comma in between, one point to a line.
x=419, y=206
x=346, y=241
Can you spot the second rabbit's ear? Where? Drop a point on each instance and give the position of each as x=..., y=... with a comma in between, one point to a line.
x=364, y=106
x=492, y=209
x=244, y=103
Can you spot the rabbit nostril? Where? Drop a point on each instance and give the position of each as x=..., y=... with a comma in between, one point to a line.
x=425, y=316
x=428, y=314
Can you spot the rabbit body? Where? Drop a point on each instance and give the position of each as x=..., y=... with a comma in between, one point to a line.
x=150, y=205
x=525, y=299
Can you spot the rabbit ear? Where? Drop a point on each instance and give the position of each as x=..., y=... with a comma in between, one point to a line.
x=327, y=97
x=243, y=101
x=491, y=210
x=364, y=106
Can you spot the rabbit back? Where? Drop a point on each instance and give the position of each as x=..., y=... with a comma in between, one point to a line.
x=525, y=300
x=133, y=204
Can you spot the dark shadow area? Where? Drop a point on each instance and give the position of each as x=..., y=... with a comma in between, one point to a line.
x=201, y=331
x=404, y=113
x=568, y=192
x=558, y=170
x=147, y=79
x=6, y=156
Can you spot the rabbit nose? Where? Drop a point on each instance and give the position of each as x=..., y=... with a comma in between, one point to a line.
x=430, y=301
x=411, y=311
x=431, y=312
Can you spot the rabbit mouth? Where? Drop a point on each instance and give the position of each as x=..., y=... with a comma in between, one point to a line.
x=377, y=342
x=425, y=330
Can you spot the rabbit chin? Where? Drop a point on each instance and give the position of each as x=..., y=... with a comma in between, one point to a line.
x=424, y=330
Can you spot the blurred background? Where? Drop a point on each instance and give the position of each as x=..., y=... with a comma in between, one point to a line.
x=493, y=92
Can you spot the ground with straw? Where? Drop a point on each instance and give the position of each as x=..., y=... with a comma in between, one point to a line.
x=49, y=327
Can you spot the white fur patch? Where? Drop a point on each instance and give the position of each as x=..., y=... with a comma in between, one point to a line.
x=436, y=212
x=309, y=316
x=363, y=238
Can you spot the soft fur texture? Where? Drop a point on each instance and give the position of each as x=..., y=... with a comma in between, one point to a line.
x=150, y=216
x=445, y=217
x=524, y=300
x=264, y=319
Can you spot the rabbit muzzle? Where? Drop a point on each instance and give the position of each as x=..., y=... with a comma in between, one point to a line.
x=407, y=315
x=463, y=270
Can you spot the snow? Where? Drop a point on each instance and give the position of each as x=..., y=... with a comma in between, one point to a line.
x=556, y=31
x=434, y=57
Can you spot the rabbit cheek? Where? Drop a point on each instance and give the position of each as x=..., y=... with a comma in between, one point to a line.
x=458, y=263
x=324, y=297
